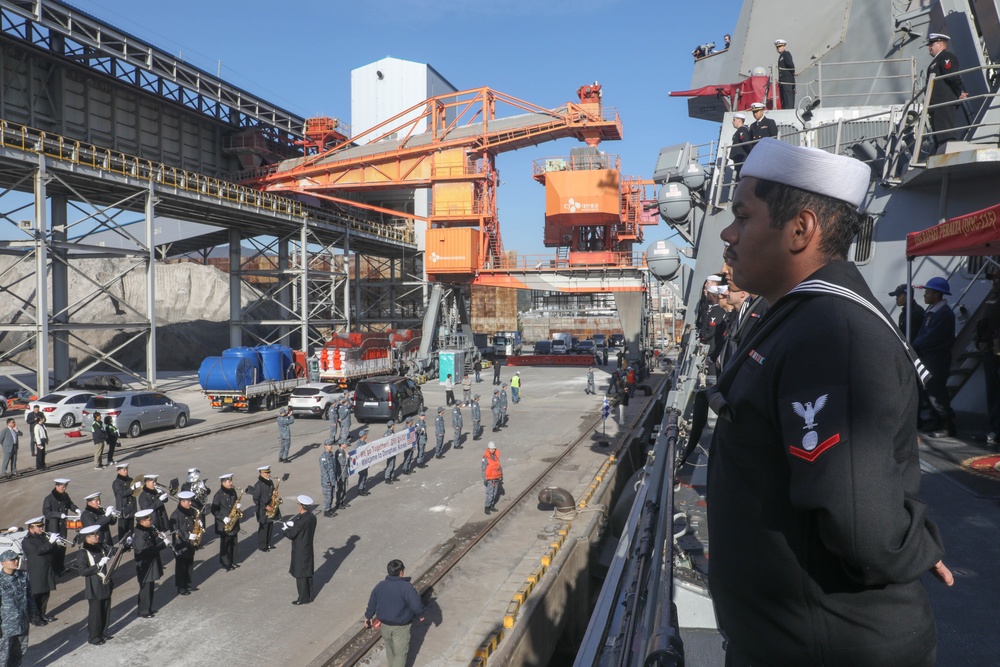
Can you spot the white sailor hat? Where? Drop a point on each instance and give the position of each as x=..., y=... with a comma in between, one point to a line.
x=716, y=277
x=741, y=116
x=93, y=528
x=809, y=169
x=96, y=494
x=37, y=521
x=937, y=37
x=718, y=289
x=780, y=42
x=185, y=495
x=193, y=470
x=119, y=466
x=228, y=475
x=305, y=501
x=142, y=514
x=148, y=477
x=758, y=106
x=61, y=480
x=263, y=468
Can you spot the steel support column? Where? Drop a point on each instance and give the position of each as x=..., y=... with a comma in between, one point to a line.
x=304, y=287
x=235, y=288
x=60, y=291
x=41, y=280
x=347, y=281
x=284, y=293
x=150, y=288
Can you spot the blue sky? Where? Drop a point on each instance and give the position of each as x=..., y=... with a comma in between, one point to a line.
x=299, y=55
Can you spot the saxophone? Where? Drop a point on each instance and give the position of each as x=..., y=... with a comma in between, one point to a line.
x=235, y=515
x=275, y=501
x=197, y=530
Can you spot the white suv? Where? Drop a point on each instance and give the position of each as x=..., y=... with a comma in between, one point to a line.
x=314, y=398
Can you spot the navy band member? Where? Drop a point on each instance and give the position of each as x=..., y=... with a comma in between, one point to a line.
x=946, y=90
x=54, y=509
x=786, y=75
x=39, y=550
x=818, y=537
x=196, y=485
x=300, y=529
x=102, y=517
x=182, y=528
x=94, y=557
x=263, y=493
x=225, y=527
x=153, y=497
x=123, y=486
x=147, y=544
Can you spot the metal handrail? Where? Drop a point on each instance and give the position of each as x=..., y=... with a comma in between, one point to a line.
x=30, y=140
x=815, y=86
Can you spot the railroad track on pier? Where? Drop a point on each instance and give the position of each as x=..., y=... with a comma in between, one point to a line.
x=152, y=445
x=362, y=642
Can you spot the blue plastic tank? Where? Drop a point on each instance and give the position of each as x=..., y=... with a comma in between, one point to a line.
x=232, y=373
x=270, y=359
x=252, y=355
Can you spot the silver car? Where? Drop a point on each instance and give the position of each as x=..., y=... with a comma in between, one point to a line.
x=135, y=412
x=64, y=408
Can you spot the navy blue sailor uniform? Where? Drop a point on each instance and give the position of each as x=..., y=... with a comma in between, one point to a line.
x=762, y=129
x=457, y=423
x=818, y=536
x=439, y=435
x=786, y=79
x=947, y=90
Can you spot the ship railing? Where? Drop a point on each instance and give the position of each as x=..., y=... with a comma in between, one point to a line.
x=576, y=163
x=970, y=105
x=830, y=81
x=861, y=147
x=596, y=261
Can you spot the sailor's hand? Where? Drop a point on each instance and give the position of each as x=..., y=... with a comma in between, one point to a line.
x=102, y=562
x=239, y=506
x=941, y=571
x=53, y=537
x=136, y=485
x=226, y=521
x=192, y=537
x=164, y=496
x=63, y=515
x=108, y=511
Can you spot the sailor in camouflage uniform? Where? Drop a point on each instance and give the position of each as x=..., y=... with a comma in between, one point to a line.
x=362, y=474
x=342, y=459
x=421, y=438
x=285, y=421
x=503, y=404
x=328, y=477
x=477, y=418
x=390, y=463
x=495, y=409
x=17, y=607
x=408, y=455
x=456, y=424
x=439, y=434
x=344, y=414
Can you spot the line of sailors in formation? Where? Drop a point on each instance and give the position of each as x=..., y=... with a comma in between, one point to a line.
x=144, y=527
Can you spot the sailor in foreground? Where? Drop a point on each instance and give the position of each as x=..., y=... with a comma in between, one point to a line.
x=17, y=607
x=300, y=529
x=186, y=529
x=227, y=510
x=818, y=537
x=148, y=543
x=96, y=587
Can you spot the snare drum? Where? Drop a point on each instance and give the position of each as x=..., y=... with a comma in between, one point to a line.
x=74, y=524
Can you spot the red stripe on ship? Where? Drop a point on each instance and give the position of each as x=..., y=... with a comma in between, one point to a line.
x=814, y=454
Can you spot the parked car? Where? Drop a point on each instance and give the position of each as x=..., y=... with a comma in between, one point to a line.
x=314, y=398
x=135, y=412
x=64, y=408
x=617, y=340
x=543, y=347
x=585, y=347
x=387, y=397
x=600, y=340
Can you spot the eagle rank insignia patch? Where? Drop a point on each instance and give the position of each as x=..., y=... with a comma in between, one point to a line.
x=810, y=445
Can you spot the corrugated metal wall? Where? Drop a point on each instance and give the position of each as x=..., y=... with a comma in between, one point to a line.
x=493, y=309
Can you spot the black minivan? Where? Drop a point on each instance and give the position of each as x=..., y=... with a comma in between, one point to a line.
x=387, y=397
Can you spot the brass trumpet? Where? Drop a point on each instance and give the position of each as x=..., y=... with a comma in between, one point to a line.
x=60, y=540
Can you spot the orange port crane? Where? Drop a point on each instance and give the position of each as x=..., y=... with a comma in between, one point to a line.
x=449, y=144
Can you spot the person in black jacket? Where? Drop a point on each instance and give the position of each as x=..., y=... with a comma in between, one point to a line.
x=154, y=498
x=102, y=517
x=54, y=509
x=988, y=342
x=100, y=437
x=762, y=127
x=94, y=556
x=946, y=90
x=394, y=602
x=125, y=503
x=933, y=343
x=228, y=531
x=741, y=142
x=263, y=491
x=148, y=544
x=786, y=75
x=30, y=419
x=819, y=539
x=39, y=549
x=112, y=436
x=182, y=524
x=913, y=310
x=300, y=529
